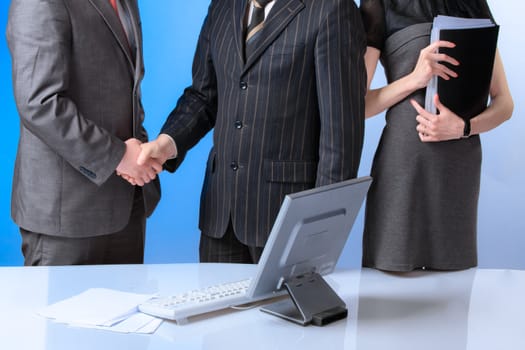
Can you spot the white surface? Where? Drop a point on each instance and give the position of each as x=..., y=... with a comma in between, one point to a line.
x=473, y=310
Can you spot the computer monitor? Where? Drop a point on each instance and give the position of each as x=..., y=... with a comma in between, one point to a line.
x=306, y=242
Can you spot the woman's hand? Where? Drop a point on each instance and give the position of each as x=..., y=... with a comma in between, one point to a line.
x=438, y=127
x=430, y=64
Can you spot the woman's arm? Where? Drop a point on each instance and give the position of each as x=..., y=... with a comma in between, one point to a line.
x=501, y=103
x=448, y=126
x=428, y=64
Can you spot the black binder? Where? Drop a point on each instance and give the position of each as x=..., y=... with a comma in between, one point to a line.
x=467, y=95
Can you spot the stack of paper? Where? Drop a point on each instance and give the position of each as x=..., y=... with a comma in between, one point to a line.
x=104, y=309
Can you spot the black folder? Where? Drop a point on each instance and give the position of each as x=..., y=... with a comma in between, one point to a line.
x=467, y=95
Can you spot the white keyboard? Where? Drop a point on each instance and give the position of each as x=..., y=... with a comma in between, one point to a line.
x=180, y=306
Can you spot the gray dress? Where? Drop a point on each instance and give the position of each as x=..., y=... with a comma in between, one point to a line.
x=421, y=210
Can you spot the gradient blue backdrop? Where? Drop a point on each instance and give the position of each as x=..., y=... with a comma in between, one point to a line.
x=170, y=33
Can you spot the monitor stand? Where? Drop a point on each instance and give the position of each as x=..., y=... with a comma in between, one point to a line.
x=312, y=301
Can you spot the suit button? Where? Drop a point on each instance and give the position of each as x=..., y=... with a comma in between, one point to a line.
x=238, y=124
x=234, y=166
x=243, y=85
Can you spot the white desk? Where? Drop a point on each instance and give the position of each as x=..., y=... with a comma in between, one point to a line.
x=473, y=310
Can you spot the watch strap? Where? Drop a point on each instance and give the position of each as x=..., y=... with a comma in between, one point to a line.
x=466, y=128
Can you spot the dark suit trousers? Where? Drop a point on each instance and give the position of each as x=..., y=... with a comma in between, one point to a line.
x=122, y=247
x=227, y=249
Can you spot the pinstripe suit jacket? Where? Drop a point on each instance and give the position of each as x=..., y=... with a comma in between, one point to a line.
x=286, y=118
x=78, y=96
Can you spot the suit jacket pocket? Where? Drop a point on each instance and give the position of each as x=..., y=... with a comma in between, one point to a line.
x=290, y=171
x=279, y=49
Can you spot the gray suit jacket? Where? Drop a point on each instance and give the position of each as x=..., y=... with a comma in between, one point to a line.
x=287, y=118
x=77, y=91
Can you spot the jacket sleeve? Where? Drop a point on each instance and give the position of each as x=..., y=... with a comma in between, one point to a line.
x=39, y=37
x=341, y=86
x=196, y=110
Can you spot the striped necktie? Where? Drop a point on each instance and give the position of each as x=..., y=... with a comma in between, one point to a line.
x=256, y=23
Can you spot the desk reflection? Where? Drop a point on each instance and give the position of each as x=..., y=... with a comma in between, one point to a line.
x=417, y=310
x=267, y=332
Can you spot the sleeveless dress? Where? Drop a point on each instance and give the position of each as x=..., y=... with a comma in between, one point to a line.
x=421, y=210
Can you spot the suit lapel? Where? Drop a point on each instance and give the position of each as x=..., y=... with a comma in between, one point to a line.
x=105, y=10
x=280, y=16
x=134, y=18
x=239, y=14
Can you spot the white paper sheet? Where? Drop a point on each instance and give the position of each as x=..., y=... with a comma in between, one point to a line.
x=136, y=323
x=103, y=309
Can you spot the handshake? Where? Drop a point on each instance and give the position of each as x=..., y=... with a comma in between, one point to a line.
x=143, y=161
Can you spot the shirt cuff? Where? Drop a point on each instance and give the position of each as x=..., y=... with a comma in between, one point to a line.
x=174, y=148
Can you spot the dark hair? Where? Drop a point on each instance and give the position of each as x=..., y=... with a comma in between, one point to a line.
x=432, y=8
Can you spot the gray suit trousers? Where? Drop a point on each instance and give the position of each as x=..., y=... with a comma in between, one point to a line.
x=122, y=247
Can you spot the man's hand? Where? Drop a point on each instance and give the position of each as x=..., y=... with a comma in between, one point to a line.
x=159, y=150
x=134, y=173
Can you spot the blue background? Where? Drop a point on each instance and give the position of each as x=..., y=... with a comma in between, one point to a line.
x=170, y=30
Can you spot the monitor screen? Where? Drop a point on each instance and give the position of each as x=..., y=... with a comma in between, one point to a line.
x=309, y=234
